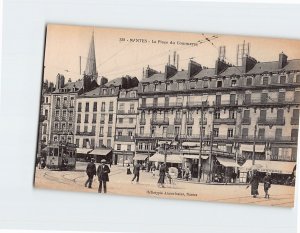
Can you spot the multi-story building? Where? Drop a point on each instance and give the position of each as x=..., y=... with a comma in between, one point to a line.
x=97, y=115
x=126, y=125
x=232, y=106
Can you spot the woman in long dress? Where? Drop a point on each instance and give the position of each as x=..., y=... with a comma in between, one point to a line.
x=162, y=174
x=254, y=182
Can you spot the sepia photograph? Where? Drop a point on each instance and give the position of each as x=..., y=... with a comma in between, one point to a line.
x=181, y=115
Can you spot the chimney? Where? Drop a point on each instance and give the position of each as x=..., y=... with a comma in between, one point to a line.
x=170, y=71
x=62, y=81
x=282, y=60
x=194, y=68
x=248, y=63
x=57, y=84
x=221, y=65
x=150, y=72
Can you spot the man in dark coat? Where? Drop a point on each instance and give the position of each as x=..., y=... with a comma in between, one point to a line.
x=90, y=171
x=162, y=174
x=102, y=173
x=136, y=172
x=254, y=181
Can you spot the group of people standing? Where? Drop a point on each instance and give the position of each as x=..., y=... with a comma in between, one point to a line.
x=101, y=172
x=254, y=182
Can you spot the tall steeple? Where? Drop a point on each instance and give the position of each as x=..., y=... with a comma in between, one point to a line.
x=91, y=68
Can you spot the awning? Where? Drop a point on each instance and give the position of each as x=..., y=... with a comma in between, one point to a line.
x=190, y=144
x=258, y=148
x=189, y=156
x=164, y=142
x=171, y=158
x=83, y=150
x=228, y=162
x=140, y=157
x=100, y=151
x=174, y=143
x=280, y=167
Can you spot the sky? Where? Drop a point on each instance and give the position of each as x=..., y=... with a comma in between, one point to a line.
x=116, y=57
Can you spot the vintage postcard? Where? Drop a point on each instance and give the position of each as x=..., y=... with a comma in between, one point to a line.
x=189, y=116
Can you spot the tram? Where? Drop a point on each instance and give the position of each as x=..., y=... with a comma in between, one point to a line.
x=61, y=156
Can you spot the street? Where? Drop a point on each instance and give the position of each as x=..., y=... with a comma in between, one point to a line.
x=120, y=183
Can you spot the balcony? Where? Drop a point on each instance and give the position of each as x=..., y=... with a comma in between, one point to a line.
x=294, y=121
x=142, y=121
x=154, y=136
x=124, y=138
x=62, y=131
x=190, y=121
x=264, y=138
x=65, y=106
x=197, y=104
x=269, y=101
x=228, y=121
x=85, y=133
x=161, y=105
x=246, y=121
x=177, y=121
x=270, y=121
x=225, y=103
x=160, y=121
x=102, y=121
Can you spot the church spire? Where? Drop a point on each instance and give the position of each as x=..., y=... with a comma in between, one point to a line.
x=90, y=68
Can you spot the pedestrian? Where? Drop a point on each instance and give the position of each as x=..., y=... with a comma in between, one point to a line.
x=128, y=169
x=234, y=175
x=136, y=172
x=254, y=182
x=267, y=184
x=90, y=171
x=102, y=173
x=162, y=174
x=187, y=173
x=153, y=169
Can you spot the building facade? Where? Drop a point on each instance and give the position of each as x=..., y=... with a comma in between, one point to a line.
x=124, y=147
x=232, y=106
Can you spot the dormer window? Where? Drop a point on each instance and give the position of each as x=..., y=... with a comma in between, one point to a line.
x=104, y=92
x=233, y=83
x=249, y=82
x=205, y=84
x=132, y=94
x=112, y=91
x=265, y=80
x=123, y=94
x=219, y=83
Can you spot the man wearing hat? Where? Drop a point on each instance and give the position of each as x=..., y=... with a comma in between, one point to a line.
x=102, y=173
x=267, y=184
x=91, y=172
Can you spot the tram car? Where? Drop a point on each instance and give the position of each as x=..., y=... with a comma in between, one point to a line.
x=61, y=156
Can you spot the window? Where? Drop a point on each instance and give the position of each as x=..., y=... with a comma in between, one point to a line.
x=130, y=120
x=155, y=87
x=247, y=98
x=55, y=138
x=56, y=126
x=231, y=114
x=103, y=106
x=109, y=132
x=101, y=130
x=102, y=118
x=278, y=134
x=123, y=94
x=111, y=106
x=179, y=100
x=130, y=133
x=232, y=99
x=217, y=114
x=164, y=131
x=64, y=113
x=78, y=128
x=92, y=143
x=219, y=83
x=57, y=101
x=281, y=97
x=143, y=115
x=45, y=129
x=85, y=129
x=95, y=107
x=218, y=99
x=100, y=142
x=189, y=131
x=94, y=118
x=72, y=102
x=132, y=94
x=282, y=79
x=128, y=147
x=216, y=132
x=264, y=97
x=144, y=88
x=249, y=82
x=142, y=130
x=77, y=142
x=245, y=133
x=57, y=113
x=63, y=126
x=84, y=143
x=46, y=114
x=155, y=101
x=93, y=129
x=143, y=102
x=87, y=106
x=177, y=115
x=86, y=118
x=265, y=80
x=233, y=83
x=71, y=113
x=104, y=91
x=261, y=133
x=108, y=142
x=230, y=133
x=78, y=118
x=263, y=115
x=118, y=146
x=110, y=118
x=167, y=100
x=121, y=107
x=205, y=84
x=120, y=120
x=146, y=146
x=131, y=108
x=65, y=101
x=79, y=107
x=294, y=134
x=177, y=130
x=140, y=146
x=119, y=133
